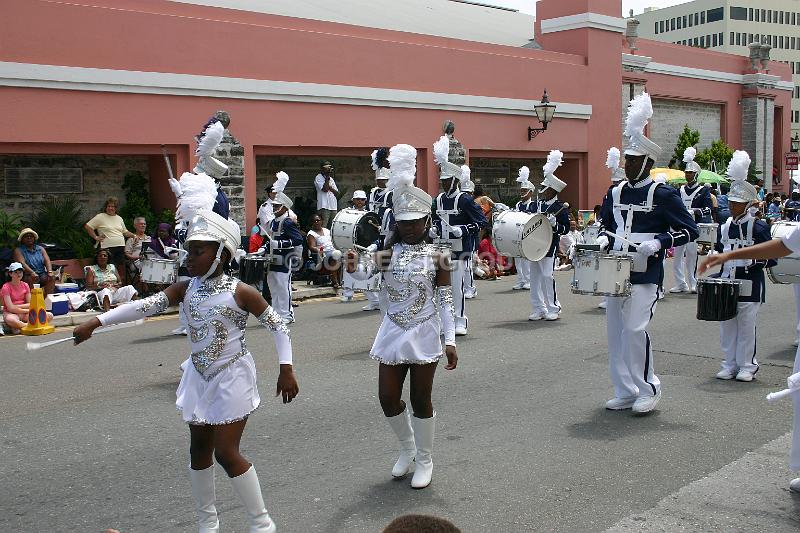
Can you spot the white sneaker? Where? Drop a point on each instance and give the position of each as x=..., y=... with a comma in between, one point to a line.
x=676, y=290
x=796, y=342
x=288, y=321
x=527, y=286
x=645, y=404
x=618, y=404
x=461, y=330
x=470, y=295
x=346, y=299
x=693, y=290
x=179, y=331
x=726, y=374
x=536, y=316
x=552, y=316
x=794, y=485
x=371, y=307
x=602, y=305
x=745, y=375
x=517, y=286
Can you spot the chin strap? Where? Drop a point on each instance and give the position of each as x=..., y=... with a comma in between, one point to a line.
x=453, y=186
x=216, y=262
x=641, y=171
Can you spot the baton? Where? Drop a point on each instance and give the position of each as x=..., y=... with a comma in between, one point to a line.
x=33, y=346
x=166, y=160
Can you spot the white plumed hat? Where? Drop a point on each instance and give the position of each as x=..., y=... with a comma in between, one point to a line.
x=523, y=178
x=209, y=226
x=278, y=187
x=640, y=110
x=441, y=150
x=409, y=202
x=688, y=158
x=554, y=160
x=739, y=165
x=198, y=192
x=612, y=162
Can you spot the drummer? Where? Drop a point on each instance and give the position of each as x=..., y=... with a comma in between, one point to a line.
x=470, y=291
x=544, y=298
x=697, y=199
x=738, y=335
x=526, y=204
x=359, y=203
x=791, y=209
x=380, y=203
x=284, y=236
x=653, y=216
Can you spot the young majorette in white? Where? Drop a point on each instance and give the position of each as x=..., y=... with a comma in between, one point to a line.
x=738, y=335
x=771, y=249
x=416, y=275
x=652, y=216
x=544, y=298
x=526, y=204
x=218, y=391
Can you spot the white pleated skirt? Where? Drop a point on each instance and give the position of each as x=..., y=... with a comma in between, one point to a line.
x=419, y=345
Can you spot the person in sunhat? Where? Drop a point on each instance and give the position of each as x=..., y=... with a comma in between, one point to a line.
x=35, y=261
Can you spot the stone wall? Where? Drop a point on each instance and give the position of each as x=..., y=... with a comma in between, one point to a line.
x=102, y=177
x=758, y=125
x=670, y=117
x=231, y=152
x=498, y=176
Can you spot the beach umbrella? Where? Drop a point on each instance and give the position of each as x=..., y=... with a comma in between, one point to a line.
x=706, y=176
x=672, y=174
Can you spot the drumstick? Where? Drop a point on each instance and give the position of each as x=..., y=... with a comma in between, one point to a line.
x=623, y=239
x=374, y=224
x=33, y=346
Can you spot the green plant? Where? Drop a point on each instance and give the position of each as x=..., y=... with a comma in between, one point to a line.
x=167, y=216
x=60, y=220
x=716, y=157
x=137, y=200
x=10, y=224
x=753, y=175
x=687, y=138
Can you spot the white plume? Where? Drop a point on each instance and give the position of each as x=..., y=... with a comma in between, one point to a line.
x=612, y=161
x=281, y=181
x=402, y=166
x=688, y=154
x=374, y=164
x=524, y=174
x=441, y=149
x=465, y=174
x=212, y=137
x=739, y=165
x=554, y=160
x=198, y=191
x=639, y=112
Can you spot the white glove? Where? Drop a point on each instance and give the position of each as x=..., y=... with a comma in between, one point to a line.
x=433, y=233
x=373, y=247
x=602, y=240
x=650, y=247
x=456, y=231
x=273, y=243
x=239, y=254
x=262, y=250
x=552, y=220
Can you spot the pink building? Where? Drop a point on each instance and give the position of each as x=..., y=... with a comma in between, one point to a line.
x=101, y=87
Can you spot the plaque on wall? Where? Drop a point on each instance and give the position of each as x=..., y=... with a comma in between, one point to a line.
x=24, y=181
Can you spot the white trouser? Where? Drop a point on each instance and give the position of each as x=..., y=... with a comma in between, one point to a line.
x=372, y=297
x=469, y=280
x=458, y=279
x=117, y=296
x=523, y=270
x=796, y=287
x=630, y=353
x=280, y=287
x=794, y=456
x=737, y=338
x=543, y=287
x=684, y=265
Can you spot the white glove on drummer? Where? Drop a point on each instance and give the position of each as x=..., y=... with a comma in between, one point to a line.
x=602, y=240
x=650, y=247
x=372, y=248
x=433, y=233
x=552, y=220
x=456, y=231
x=273, y=243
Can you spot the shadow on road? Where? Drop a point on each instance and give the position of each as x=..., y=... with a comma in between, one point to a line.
x=610, y=426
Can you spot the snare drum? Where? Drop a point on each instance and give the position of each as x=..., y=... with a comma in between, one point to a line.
x=600, y=274
x=353, y=227
x=518, y=234
x=590, y=234
x=788, y=268
x=252, y=268
x=708, y=233
x=162, y=271
x=717, y=299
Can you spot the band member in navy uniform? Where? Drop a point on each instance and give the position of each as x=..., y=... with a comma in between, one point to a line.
x=457, y=221
x=526, y=204
x=380, y=203
x=738, y=335
x=652, y=216
x=284, y=236
x=697, y=199
x=544, y=299
x=470, y=290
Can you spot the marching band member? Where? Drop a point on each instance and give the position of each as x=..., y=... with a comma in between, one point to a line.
x=409, y=338
x=617, y=175
x=217, y=392
x=470, y=291
x=738, y=335
x=359, y=201
x=526, y=204
x=654, y=217
x=284, y=236
x=380, y=203
x=457, y=219
x=544, y=299
x=697, y=199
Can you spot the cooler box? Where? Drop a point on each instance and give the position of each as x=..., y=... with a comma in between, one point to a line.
x=57, y=304
x=66, y=287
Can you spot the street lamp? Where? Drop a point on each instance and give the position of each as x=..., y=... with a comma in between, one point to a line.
x=795, y=144
x=544, y=113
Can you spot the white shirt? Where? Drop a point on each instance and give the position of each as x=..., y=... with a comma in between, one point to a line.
x=566, y=244
x=326, y=200
x=792, y=240
x=324, y=241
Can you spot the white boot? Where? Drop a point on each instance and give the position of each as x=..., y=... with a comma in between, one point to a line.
x=205, y=499
x=248, y=490
x=423, y=437
x=401, y=424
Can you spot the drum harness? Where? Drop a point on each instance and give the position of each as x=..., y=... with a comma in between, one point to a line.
x=444, y=216
x=729, y=244
x=627, y=222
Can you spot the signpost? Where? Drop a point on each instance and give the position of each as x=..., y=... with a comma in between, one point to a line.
x=791, y=161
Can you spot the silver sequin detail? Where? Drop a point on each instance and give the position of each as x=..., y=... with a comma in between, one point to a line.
x=206, y=357
x=445, y=294
x=208, y=288
x=403, y=270
x=271, y=320
x=154, y=304
x=395, y=362
x=238, y=319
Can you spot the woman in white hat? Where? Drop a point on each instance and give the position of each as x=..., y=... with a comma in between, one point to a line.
x=218, y=391
x=417, y=277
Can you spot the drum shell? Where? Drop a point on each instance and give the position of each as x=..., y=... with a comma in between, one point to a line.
x=599, y=274
x=518, y=234
x=708, y=233
x=717, y=299
x=162, y=271
x=252, y=269
x=351, y=227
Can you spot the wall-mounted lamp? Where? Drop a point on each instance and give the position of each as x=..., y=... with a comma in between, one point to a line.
x=544, y=113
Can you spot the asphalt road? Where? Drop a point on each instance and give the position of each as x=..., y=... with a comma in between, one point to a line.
x=90, y=437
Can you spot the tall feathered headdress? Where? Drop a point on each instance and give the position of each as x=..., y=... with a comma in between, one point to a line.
x=409, y=202
x=197, y=192
x=688, y=158
x=741, y=190
x=402, y=166
x=441, y=151
x=281, y=180
x=554, y=160
x=739, y=165
x=640, y=110
x=522, y=178
x=380, y=163
x=210, y=138
x=613, y=158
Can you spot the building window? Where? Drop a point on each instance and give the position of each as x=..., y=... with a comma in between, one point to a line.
x=702, y=17
x=732, y=39
x=691, y=20
x=661, y=27
x=671, y=24
x=780, y=40
x=794, y=19
x=763, y=15
x=738, y=13
x=684, y=21
x=750, y=14
x=781, y=17
x=696, y=19
x=655, y=30
x=679, y=23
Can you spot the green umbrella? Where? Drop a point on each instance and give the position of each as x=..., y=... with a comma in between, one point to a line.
x=706, y=176
x=677, y=181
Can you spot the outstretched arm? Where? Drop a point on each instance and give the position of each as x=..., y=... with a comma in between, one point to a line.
x=766, y=250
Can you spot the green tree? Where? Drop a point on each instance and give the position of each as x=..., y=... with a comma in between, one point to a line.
x=716, y=157
x=137, y=200
x=687, y=138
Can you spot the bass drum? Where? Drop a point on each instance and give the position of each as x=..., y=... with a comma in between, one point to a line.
x=788, y=268
x=353, y=227
x=518, y=234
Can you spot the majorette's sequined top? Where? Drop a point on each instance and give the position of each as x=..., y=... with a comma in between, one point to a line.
x=410, y=281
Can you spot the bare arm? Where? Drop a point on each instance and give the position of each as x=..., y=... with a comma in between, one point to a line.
x=20, y=259
x=766, y=250
x=312, y=243
x=91, y=281
x=16, y=309
x=47, y=264
x=92, y=233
